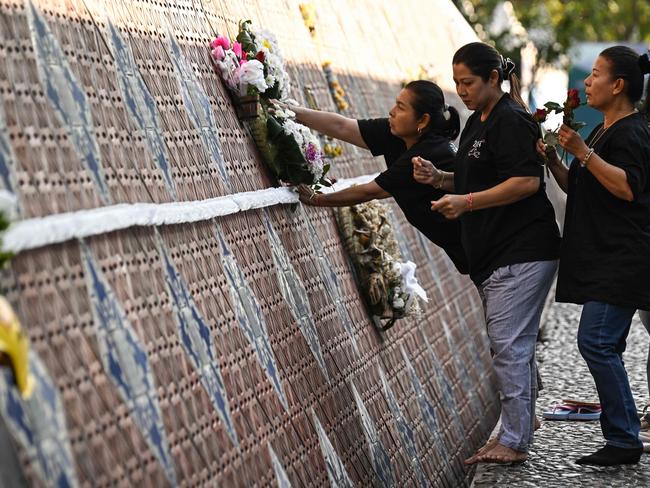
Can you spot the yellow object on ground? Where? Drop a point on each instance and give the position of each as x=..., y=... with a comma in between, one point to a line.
x=14, y=345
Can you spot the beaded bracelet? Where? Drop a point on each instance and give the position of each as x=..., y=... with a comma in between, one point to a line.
x=469, y=198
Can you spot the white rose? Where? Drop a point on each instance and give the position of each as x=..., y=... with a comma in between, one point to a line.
x=252, y=73
x=398, y=303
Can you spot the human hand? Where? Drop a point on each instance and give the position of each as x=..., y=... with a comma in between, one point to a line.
x=571, y=141
x=450, y=206
x=425, y=172
x=548, y=152
x=307, y=195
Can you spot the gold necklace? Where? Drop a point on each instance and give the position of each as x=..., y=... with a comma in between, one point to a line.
x=603, y=129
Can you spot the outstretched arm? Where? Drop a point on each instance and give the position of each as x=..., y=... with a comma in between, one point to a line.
x=330, y=124
x=349, y=196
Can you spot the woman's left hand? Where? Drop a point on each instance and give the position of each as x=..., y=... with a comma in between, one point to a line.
x=451, y=206
x=307, y=195
x=571, y=141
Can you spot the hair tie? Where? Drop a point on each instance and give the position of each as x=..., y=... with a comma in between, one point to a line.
x=507, y=66
x=644, y=63
x=445, y=112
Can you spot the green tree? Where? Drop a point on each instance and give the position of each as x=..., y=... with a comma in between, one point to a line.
x=554, y=26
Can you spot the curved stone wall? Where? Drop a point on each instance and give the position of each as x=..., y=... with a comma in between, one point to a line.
x=201, y=346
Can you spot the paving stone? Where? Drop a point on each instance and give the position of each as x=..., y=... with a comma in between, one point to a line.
x=557, y=443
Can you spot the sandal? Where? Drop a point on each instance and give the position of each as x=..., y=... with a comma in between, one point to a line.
x=573, y=412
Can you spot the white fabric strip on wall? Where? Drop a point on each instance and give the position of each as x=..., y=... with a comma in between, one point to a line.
x=44, y=231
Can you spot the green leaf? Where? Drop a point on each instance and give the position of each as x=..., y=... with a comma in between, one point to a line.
x=556, y=107
x=245, y=37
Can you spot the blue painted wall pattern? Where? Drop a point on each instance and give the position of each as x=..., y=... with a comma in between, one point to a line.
x=427, y=409
x=196, y=339
x=331, y=282
x=405, y=430
x=465, y=378
x=140, y=105
x=380, y=459
x=336, y=471
x=249, y=316
x=7, y=157
x=447, y=394
x=126, y=362
x=38, y=425
x=280, y=474
x=295, y=295
x=198, y=107
x=66, y=96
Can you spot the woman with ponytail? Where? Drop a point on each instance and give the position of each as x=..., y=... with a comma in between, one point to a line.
x=419, y=124
x=508, y=231
x=605, y=257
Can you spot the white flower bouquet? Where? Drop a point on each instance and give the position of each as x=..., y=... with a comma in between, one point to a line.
x=252, y=67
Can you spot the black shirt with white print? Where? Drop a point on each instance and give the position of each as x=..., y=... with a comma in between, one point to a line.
x=490, y=152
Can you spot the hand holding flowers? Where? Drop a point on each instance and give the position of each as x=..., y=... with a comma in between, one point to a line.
x=568, y=128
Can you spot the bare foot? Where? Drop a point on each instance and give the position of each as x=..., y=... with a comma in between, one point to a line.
x=500, y=454
x=488, y=446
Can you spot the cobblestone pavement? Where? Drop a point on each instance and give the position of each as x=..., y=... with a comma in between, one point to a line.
x=558, y=443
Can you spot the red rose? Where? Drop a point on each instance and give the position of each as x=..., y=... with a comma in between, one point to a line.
x=540, y=115
x=573, y=98
x=260, y=56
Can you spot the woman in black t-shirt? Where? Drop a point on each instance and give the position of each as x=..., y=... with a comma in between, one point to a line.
x=508, y=232
x=420, y=124
x=605, y=256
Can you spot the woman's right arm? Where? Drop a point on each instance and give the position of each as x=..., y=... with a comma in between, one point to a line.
x=330, y=124
x=343, y=198
x=560, y=172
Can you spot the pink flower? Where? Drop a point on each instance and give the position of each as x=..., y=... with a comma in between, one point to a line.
x=242, y=62
x=220, y=41
x=236, y=48
x=218, y=53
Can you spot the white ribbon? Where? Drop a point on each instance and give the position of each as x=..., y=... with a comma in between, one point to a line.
x=410, y=282
x=37, y=232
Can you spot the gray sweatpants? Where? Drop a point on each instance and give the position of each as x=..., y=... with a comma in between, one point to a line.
x=513, y=299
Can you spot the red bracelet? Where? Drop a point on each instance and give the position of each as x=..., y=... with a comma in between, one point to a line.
x=469, y=198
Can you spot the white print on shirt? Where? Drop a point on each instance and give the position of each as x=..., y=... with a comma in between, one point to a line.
x=475, y=152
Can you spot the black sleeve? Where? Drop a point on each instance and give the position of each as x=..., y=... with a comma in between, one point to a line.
x=399, y=175
x=377, y=135
x=512, y=147
x=395, y=177
x=630, y=153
